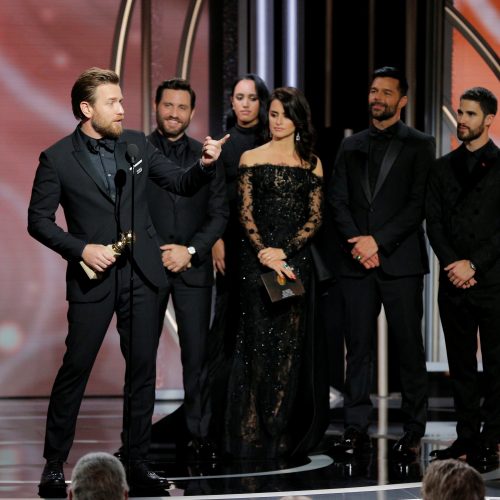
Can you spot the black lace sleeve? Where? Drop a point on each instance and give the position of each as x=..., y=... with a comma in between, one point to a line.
x=246, y=207
x=309, y=229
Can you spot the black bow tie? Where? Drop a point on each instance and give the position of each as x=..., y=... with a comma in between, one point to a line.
x=381, y=135
x=177, y=147
x=95, y=145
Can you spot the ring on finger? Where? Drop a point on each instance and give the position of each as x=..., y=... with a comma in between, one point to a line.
x=286, y=266
x=358, y=257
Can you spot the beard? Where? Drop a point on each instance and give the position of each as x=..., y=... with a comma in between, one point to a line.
x=385, y=114
x=470, y=134
x=111, y=130
x=169, y=132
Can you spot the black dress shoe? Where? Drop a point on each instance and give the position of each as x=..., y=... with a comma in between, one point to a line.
x=141, y=476
x=52, y=483
x=457, y=449
x=408, y=447
x=352, y=441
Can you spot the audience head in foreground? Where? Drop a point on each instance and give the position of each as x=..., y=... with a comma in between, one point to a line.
x=452, y=480
x=98, y=476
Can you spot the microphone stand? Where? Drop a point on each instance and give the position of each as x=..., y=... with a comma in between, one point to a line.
x=128, y=378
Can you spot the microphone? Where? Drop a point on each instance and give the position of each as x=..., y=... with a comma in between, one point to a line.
x=132, y=153
x=120, y=179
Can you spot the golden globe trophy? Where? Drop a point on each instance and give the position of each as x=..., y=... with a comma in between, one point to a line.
x=117, y=248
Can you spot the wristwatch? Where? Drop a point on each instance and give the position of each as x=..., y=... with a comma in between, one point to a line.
x=472, y=266
x=191, y=250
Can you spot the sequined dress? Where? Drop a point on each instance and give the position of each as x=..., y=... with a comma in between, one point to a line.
x=280, y=206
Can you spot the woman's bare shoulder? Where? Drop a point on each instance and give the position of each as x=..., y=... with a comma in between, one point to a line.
x=254, y=156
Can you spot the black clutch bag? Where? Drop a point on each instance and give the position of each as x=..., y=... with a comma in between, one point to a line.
x=281, y=288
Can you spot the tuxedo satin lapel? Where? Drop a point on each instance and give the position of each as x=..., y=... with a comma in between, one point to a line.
x=393, y=150
x=83, y=160
x=365, y=181
x=362, y=160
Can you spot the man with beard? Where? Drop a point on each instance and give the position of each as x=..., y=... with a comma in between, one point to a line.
x=89, y=173
x=187, y=228
x=463, y=206
x=377, y=194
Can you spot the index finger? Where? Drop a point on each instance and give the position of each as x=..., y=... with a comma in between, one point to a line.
x=224, y=139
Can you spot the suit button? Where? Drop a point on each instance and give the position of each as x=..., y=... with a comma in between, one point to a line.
x=371, y=210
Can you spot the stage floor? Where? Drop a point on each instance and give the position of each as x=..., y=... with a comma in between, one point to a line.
x=319, y=477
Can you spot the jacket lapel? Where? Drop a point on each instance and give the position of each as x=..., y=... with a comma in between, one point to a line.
x=361, y=149
x=82, y=157
x=390, y=156
x=468, y=181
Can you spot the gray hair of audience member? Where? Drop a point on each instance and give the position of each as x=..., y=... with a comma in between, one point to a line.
x=452, y=480
x=98, y=476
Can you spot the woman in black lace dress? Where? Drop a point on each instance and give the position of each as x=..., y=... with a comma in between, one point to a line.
x=273, y=407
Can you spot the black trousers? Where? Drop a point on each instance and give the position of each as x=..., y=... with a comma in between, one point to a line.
x=403, y=305
x=463, y=312
x=192, y=312
x=87, y=326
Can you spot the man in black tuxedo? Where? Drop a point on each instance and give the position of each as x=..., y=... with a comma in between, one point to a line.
x=463, y=207
x=89, y=173
x=377, y=194
x=187, y=228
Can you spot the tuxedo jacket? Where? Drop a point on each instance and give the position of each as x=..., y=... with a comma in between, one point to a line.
x=197, y=221
x=463, y=212
x=65, y=176
x=394, y=212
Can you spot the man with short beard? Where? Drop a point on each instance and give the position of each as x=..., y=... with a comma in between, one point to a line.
x=187, y=229
x=89, y=173
x=463, y=207
x=377, y=194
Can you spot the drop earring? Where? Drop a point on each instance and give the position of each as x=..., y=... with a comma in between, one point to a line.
x=297, y=137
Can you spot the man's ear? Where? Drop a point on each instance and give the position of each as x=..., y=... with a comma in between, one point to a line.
x=403, y=102
x=488, y=120
x=86, y=109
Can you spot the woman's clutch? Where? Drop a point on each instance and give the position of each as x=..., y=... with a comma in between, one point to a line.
x=279, y=288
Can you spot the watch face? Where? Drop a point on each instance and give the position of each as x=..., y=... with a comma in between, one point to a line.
x=191, y=250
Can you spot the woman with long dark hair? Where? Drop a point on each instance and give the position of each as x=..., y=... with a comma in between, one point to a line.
x=247, y=125
x=275, y=404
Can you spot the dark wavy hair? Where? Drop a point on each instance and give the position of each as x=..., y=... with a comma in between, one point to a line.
x=175, y=84
x=262, y=94
x=392, y=72
x=297, y=109
x=486, y=99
